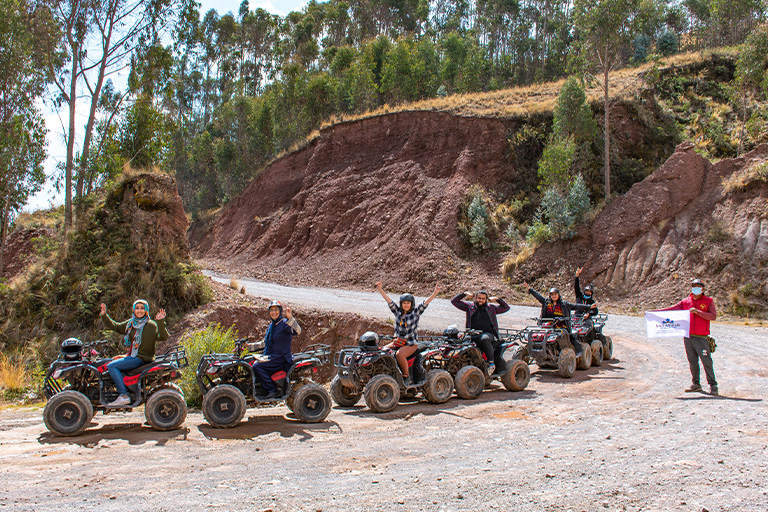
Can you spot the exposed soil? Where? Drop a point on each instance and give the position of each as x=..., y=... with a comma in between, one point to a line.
x=19, y=251
x=619, y=437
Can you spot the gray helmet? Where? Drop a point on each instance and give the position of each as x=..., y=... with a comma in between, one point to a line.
x=276, y=303
x=451, y=332
x=407, y=296
x=369, y=341
x=554, y=290
x=71, y=349
x=590, y=288
x=698, y=282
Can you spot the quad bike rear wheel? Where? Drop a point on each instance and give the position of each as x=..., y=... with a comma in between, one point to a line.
x=584, y=361
x=597, y=352
x=165, y=409
x=469, y=382
x=311, y=403
x=382, y=393
x=343, y=396
x=224, y=406
x=517, y=376
x=608, y=349
x=520, y=352
x=439, y=386
x=68, y=413
x=566, y=363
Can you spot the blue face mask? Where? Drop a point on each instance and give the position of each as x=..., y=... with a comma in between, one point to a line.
x=697, y=290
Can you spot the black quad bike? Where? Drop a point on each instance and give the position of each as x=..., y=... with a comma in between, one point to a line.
x=549, y=345
x=590, y=330
x=471, y=371
x=229, y=385
x=77, y=384
x=371, y=371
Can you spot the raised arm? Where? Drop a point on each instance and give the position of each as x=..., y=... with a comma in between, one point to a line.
x=111, y=324
x=577, y=285
x=434, y=294
x=539, y=297
x=382, y=292
x=291, y=320
x=162, y=332
x=502, y=307
x=458, y=301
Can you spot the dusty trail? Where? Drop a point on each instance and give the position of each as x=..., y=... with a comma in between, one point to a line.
x=619, y=437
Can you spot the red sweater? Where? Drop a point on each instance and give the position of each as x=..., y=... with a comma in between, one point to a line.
x=699, y=322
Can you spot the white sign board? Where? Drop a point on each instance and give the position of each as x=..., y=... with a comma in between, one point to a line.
x=668, y=324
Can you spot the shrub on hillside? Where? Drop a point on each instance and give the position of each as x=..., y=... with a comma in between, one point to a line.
x=212, y=339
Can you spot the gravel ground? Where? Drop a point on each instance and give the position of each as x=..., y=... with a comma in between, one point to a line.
x=622, y=436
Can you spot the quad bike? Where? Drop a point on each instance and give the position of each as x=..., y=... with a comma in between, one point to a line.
x=470, y=369
x=590, y=331
x=229, y=385
x=549, y=344
x=77, y=384
x=372, y=372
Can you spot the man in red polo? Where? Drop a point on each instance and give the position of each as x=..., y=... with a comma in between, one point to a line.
x=703, y=311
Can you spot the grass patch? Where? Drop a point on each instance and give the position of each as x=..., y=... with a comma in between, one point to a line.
x=212, y=339
x=14, y=373
x=754, y=174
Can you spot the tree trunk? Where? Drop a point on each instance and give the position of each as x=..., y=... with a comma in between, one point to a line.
x=607, y=136
x=70, y=142
x=3, y=233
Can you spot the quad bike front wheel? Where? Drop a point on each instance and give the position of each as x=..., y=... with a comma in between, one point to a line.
x=311, y=403
x=517, y=376
x=343, y=396
x=439, y=386
x=608, y=349
x=469, y=382
x=566, y=363
x=520, y=352
x=68, y=413
x=166, y=409
x=584, y=361
x=382, y=393
x=224, y=406
x=597, y=352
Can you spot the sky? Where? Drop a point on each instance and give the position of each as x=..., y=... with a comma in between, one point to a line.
x=57, y=151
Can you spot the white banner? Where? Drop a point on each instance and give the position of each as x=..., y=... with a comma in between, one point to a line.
x=667, y=324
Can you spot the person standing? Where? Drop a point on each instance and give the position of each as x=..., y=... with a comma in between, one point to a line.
x=140, y=334
x=703, y=311
x=481, y=316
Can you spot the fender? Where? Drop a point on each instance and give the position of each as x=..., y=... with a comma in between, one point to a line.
x=60, y=373
x=306, y=364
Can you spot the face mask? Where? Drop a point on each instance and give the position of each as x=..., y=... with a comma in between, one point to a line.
x=587, y=294
x=697, y=290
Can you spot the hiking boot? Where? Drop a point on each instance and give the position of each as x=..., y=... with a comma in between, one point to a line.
x=120, y=401
x=408, y=381
x=272, y=394
x=713, y=391
x=694, y=388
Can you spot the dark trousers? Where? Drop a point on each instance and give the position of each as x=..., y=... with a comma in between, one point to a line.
x=491, y=347
x=697, y=348
x=264, y=371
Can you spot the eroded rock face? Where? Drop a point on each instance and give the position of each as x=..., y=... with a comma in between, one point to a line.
x=674, y=225
x=152, y=207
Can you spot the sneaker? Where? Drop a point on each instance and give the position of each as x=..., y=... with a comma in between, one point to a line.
x=272, y=394
x=408, y=380
x=695, y=388
x=120, y=401
x=713, y=391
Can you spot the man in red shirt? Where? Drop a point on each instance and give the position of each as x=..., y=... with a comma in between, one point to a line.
x=703, y=311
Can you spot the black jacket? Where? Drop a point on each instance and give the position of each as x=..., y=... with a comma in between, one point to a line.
x=566, y=307
x=581, y=299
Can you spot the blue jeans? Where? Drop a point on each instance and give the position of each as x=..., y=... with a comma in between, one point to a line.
x=125, y=364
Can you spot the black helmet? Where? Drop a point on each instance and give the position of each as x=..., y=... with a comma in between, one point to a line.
x=276, y=303
x=451, y=332
x=71, y=349
x=409, y=297
x=369, y=341
x=554, y=290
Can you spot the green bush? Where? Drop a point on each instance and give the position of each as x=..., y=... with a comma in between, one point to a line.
x=556, y=162
x=667, y=43
x=212, y=339
x=559, y=213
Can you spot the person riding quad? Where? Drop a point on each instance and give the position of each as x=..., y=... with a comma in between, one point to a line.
x=555, y=308
x=406, y=322
x=586, y=296
x=277, y=353
x=140, y=334
x=481, y=316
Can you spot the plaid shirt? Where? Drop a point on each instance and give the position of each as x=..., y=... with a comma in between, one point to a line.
x=406, y=323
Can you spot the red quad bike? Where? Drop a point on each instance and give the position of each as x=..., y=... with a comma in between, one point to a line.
x=549, y=344
x=590, y=331
x=229, y=385
x=371, y=371
x=471, y=371
x=77, y=384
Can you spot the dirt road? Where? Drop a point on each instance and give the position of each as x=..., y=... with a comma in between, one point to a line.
x=623, y=436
